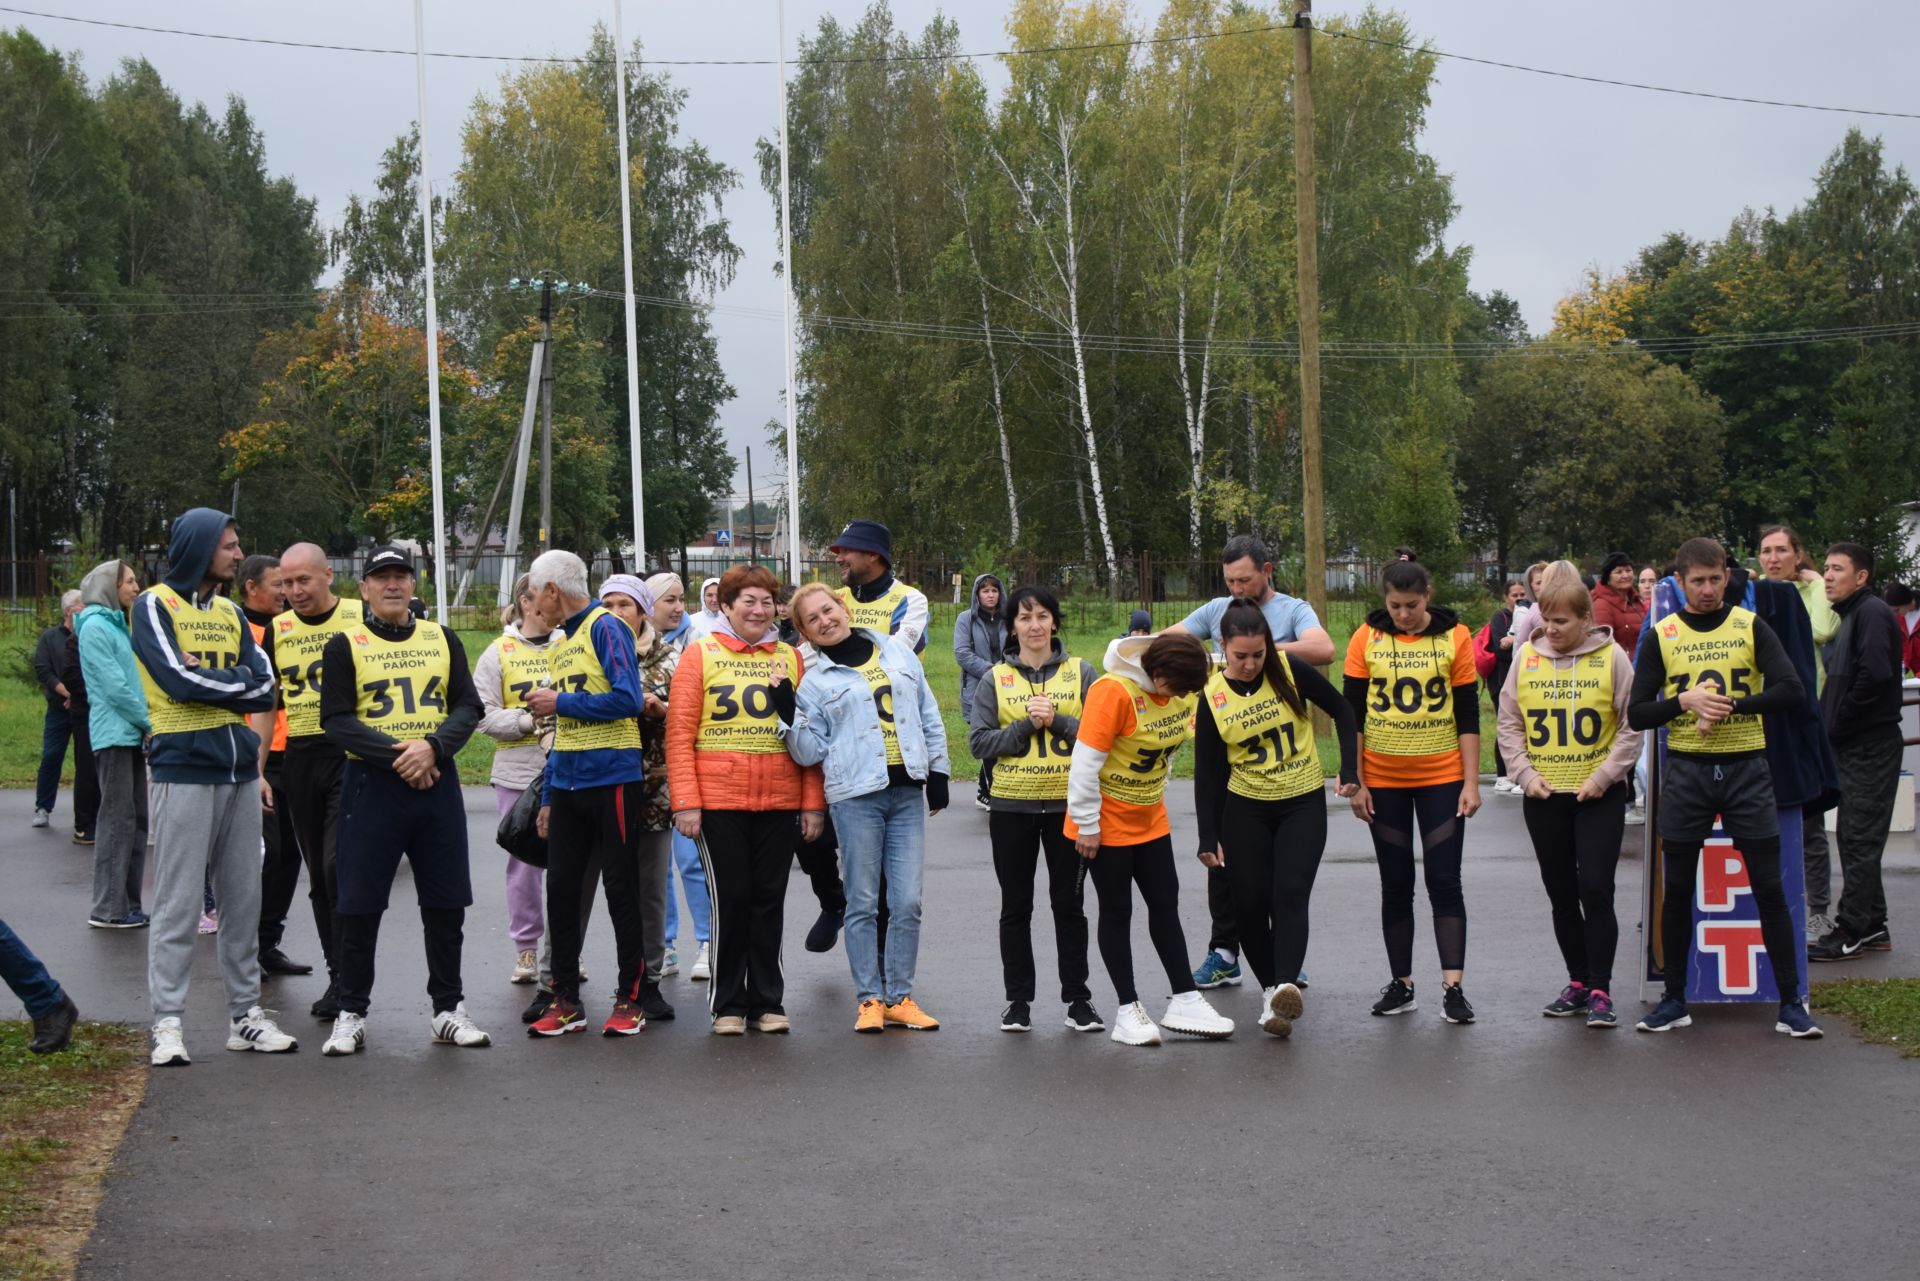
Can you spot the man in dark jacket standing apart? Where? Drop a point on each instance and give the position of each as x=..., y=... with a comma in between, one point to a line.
x=976, y=647
x=48, y=654
x=1860, y=705
x=203, y=676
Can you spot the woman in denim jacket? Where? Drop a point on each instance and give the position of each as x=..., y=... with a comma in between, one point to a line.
x=866, y=712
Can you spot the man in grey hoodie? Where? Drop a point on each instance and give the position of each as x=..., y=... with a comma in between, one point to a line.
x=203, y=676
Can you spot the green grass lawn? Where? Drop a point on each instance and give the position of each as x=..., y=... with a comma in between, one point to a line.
x=1090, y=625
x=1883, y=1011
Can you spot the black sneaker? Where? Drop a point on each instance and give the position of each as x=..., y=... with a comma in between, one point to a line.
x=274, y=961
x=1838, y=944
x=1082, y=1017
x=1017, y=1017
x=327, y=1008
x=537, y=1007
x=1396, y=998
x=652, y=1004
x=53, y=1030
x=1877, y=940
x=825, y=931
x=1453, y=1004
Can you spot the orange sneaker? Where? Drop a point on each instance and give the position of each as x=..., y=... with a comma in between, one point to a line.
x=908, y=1015
x=873, y=1017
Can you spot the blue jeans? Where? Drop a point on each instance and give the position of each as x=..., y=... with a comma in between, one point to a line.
x=693, y=879
x=53, y=756
x=883, y=832
x=26, y=975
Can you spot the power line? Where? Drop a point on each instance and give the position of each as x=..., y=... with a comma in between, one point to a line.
x=1091, y=47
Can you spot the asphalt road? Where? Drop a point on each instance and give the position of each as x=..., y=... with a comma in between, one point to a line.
x=1517, y=1147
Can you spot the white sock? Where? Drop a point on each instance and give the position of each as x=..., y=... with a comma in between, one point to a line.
x=1225, y=956
x=1186, y=997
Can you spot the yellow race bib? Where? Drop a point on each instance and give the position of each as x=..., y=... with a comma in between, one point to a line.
x=1039, y=773
x=523, y=669
x=1410, y=696
x=400, y=687
x=211, y=635
x=297, y=647
x=1725, y=658
x=874, y=615
x=1271, y=751
x=1568, y=714
x=882, y=686
x=576, y=670
x=736, y=703
x=1136, y=769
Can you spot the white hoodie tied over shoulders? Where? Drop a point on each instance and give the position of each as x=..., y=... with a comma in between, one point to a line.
x=1083, y=779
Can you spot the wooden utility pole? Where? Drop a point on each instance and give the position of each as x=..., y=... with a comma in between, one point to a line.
x=546, y=414
x=1307, y=216
x=753, y=528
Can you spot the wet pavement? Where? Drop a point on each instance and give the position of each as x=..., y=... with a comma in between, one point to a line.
x=1517, y=1147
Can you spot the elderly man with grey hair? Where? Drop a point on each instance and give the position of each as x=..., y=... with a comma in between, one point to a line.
x=49, y=656
x=591, y=800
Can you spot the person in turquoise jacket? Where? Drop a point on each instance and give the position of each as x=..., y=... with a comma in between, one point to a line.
x=119, y=724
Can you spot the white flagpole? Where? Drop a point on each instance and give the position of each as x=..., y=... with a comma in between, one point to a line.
x=626, y=262
x=786, y=267
x=433, y=326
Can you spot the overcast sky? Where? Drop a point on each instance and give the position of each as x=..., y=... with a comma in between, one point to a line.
x=1551, y=175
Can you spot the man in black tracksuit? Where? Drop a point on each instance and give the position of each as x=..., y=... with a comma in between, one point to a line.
x=1860, y=705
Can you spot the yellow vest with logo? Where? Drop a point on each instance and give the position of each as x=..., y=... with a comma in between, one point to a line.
x=400, y=687
x=576, y=670
x=1725, y=658
x=1039, y=772
x=1136, y=769
x=523, y=669
x=1410, y=696
x=874, y=615
x=1271, y=752
x=1567, y=712
x=875, y=674
x=211, y=635
x=736, y=708
x=297, y=647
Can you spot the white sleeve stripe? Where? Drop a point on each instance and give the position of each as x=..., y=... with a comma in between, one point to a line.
x=172, y=651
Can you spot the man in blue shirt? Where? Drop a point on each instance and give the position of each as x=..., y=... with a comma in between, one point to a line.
x=1247, y=566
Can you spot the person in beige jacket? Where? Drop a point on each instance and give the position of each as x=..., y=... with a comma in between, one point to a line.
x=1563, y=732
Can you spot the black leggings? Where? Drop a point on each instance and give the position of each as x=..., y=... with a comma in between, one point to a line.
x=1114, y=874
x=1578, y=846
x=1019, y=839
x=1273, y=853
x=1442, y=838
x=1783, y=944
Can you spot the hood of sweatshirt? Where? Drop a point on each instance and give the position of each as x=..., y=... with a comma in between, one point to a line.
x=1440, y=621
x=101, y=586
x=698, y=605
x=195, y=535
x=514, y=630
x=1597, y=638
x=1123, y=659
x=724, y=627
x=990, y=615
x=1053, y=659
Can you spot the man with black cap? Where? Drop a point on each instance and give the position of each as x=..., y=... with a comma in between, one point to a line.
x=311, y=765
x=874, y=598
x=397, y=698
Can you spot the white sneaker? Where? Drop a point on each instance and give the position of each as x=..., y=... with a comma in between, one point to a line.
x=702, y=968
x=526, y=966
x=1504, y=786
x=41, y=818
x=1131, y=1026
x=670, y=964
x=453, y=1027
x=169, y=1047
x=1196, y=1018
x=1819, y=925
x=1636, y=816
x=1279, y=1007
x=349, y=1035
x=255, y=1031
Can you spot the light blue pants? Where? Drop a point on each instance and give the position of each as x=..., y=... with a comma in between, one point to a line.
x=884, y=831
x=693, y=879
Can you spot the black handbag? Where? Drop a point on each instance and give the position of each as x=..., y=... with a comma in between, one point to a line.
x=519, y=833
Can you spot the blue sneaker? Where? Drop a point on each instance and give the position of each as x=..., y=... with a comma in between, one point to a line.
x=1214, y=972
x=1572, y=1000
x=1668, y=1015
x=1797, y=1023
x=1301, y=982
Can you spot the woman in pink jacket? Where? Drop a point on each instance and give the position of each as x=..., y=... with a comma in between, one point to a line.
x=1563, y=731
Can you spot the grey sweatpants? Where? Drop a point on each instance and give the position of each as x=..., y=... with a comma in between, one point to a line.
x=205, y=828
x=120, y=833
x=656, y=856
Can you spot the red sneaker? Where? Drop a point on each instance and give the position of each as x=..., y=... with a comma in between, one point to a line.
x=626, y=1020
x=562, y=1016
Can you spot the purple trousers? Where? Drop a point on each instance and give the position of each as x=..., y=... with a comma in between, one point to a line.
x=526, y=890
